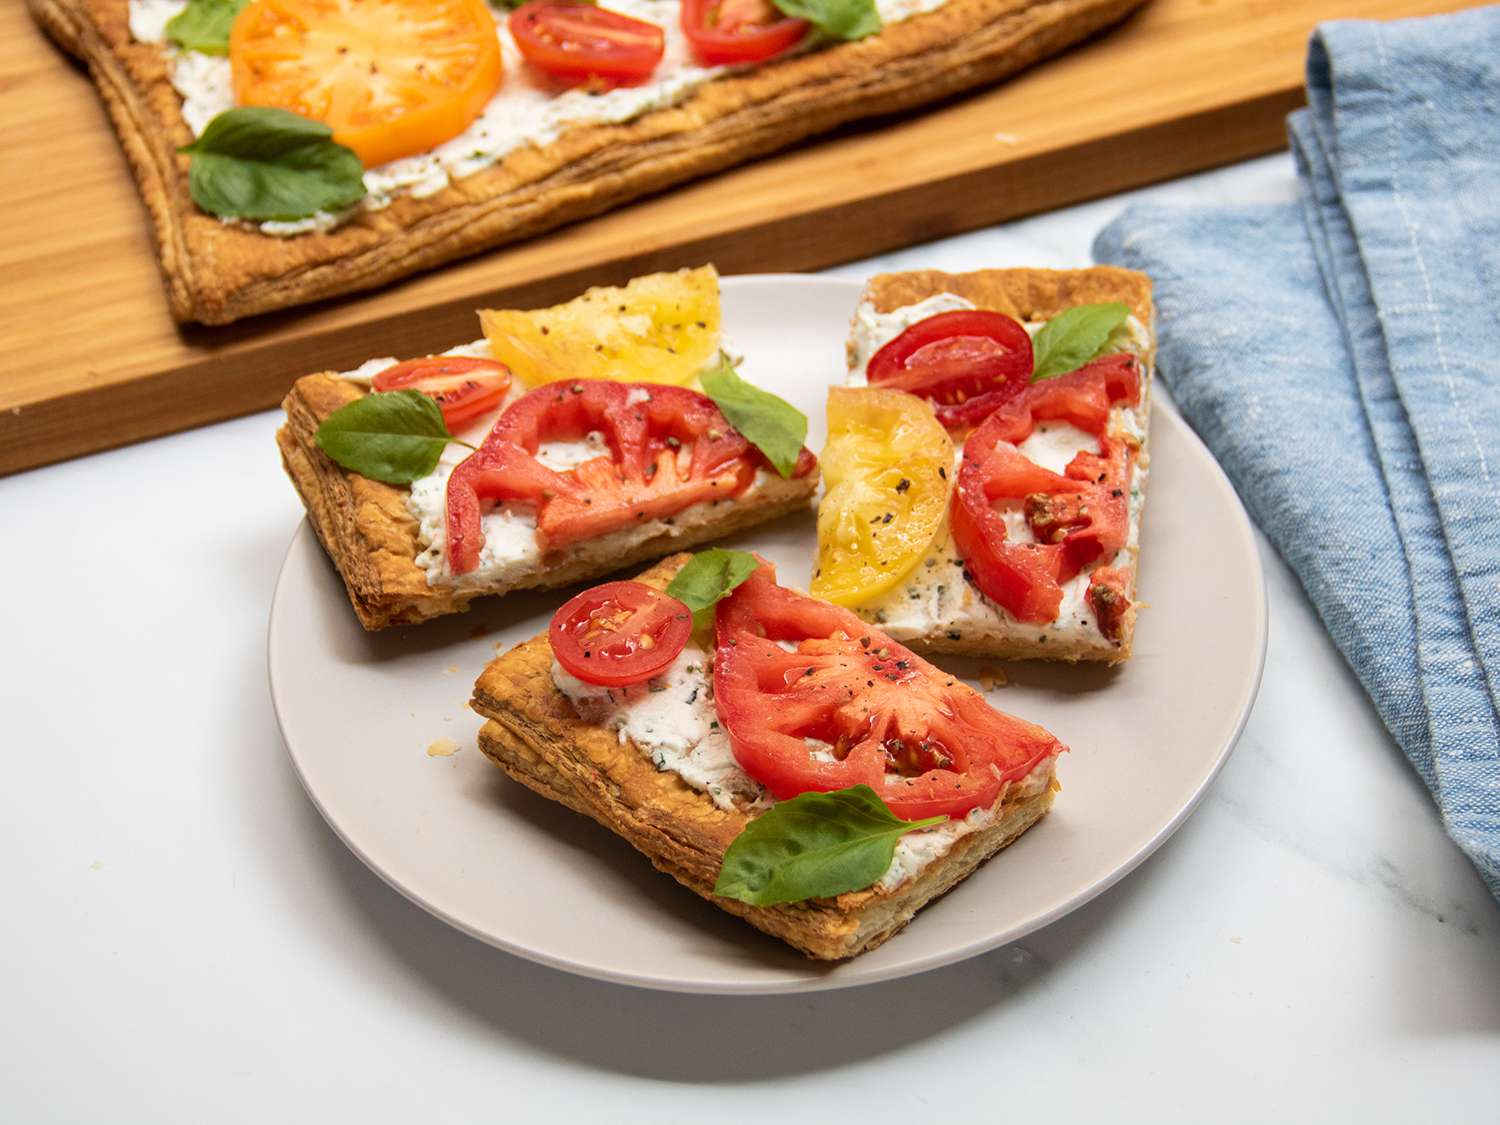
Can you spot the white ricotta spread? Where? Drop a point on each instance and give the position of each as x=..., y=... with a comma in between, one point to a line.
x=672, y=720
x=936, y=598
x=530, y=107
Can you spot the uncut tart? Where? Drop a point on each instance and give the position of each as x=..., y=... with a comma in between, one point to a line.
x=534, y=733
x=216, y=273
x=967, y=624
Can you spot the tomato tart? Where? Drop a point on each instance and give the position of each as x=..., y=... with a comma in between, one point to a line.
x=987, y=462
x=773, y=753
x=292, y=150
x=568, y=443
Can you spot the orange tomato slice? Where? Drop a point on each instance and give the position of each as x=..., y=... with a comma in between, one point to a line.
x=392, y=78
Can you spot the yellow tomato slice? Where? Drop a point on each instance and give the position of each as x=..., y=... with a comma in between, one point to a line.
x=887, y=468
x=661, y=328
x=392, y=78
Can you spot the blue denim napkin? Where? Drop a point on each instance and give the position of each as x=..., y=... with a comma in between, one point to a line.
x=1342, y=360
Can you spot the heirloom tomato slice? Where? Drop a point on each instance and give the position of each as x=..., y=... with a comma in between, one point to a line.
x=1077, y=518
x=789, y=668
x=392, y=78
x=966, y=363
x=464, y=387
x=577, y=41
x=619, y=633
x=668, y=448
x=661, y=328
x=886, y=468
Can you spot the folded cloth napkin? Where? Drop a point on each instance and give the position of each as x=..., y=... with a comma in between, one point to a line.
x=1342, y=360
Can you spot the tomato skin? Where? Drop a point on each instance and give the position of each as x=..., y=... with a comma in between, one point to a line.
x=967, y=363
x=578, y=41
x=464, y=387
x=620, y=633
x=926, y=742
x=669, y=448
x=717, y=40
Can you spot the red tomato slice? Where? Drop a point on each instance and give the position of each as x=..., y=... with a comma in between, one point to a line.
x=966, y=363
x=1107, y=598
x=577, y=41
x=669, y=448
x=926, y=742
x=1081, y=398
x=1077, y=518
x=464, y=387
x=739, y=31
x=619, y=633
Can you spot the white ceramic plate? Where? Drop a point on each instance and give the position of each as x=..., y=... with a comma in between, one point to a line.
x=456, y=836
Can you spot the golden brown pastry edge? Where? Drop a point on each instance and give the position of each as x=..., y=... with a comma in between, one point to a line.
x=216, y=273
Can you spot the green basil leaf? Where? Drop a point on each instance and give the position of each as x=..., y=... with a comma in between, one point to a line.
x=1074, y=337
x=204, y=25
x=393, y=436
x=840, y=19
x=775, y=426
x=708, y=577
x=814, y=846
x=258, y=163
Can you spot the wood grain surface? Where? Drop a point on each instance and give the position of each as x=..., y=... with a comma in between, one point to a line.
x=93, y=360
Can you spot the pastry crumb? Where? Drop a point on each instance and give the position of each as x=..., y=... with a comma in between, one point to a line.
x=450, y=670
x=442, y=748
x=992, y=678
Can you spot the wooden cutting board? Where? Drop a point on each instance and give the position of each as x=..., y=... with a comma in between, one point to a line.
x=92, y=359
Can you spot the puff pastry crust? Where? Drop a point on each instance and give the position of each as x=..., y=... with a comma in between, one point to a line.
x=1029, y=295
x=216, y=273
x=534, y=735
x=366, y=529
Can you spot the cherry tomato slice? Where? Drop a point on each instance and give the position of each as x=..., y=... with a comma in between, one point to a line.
x=463, y=386
x=925, y=741
x=619, y=633
x=578, y=41
x=967, y=363
x=739, y=31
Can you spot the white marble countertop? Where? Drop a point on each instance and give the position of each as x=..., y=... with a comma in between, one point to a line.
x=185, y=940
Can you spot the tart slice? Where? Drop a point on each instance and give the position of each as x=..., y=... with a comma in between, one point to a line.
x=788, y=762
x=442, y=479
x=1031, y=391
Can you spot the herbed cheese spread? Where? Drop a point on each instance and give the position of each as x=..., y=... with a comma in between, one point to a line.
x=936, y=598
x=530, y=108
x=672, y=720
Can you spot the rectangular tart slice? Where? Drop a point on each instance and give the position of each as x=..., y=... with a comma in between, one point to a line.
x=654, y=762
x=1037, y=555
x=590, y=475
